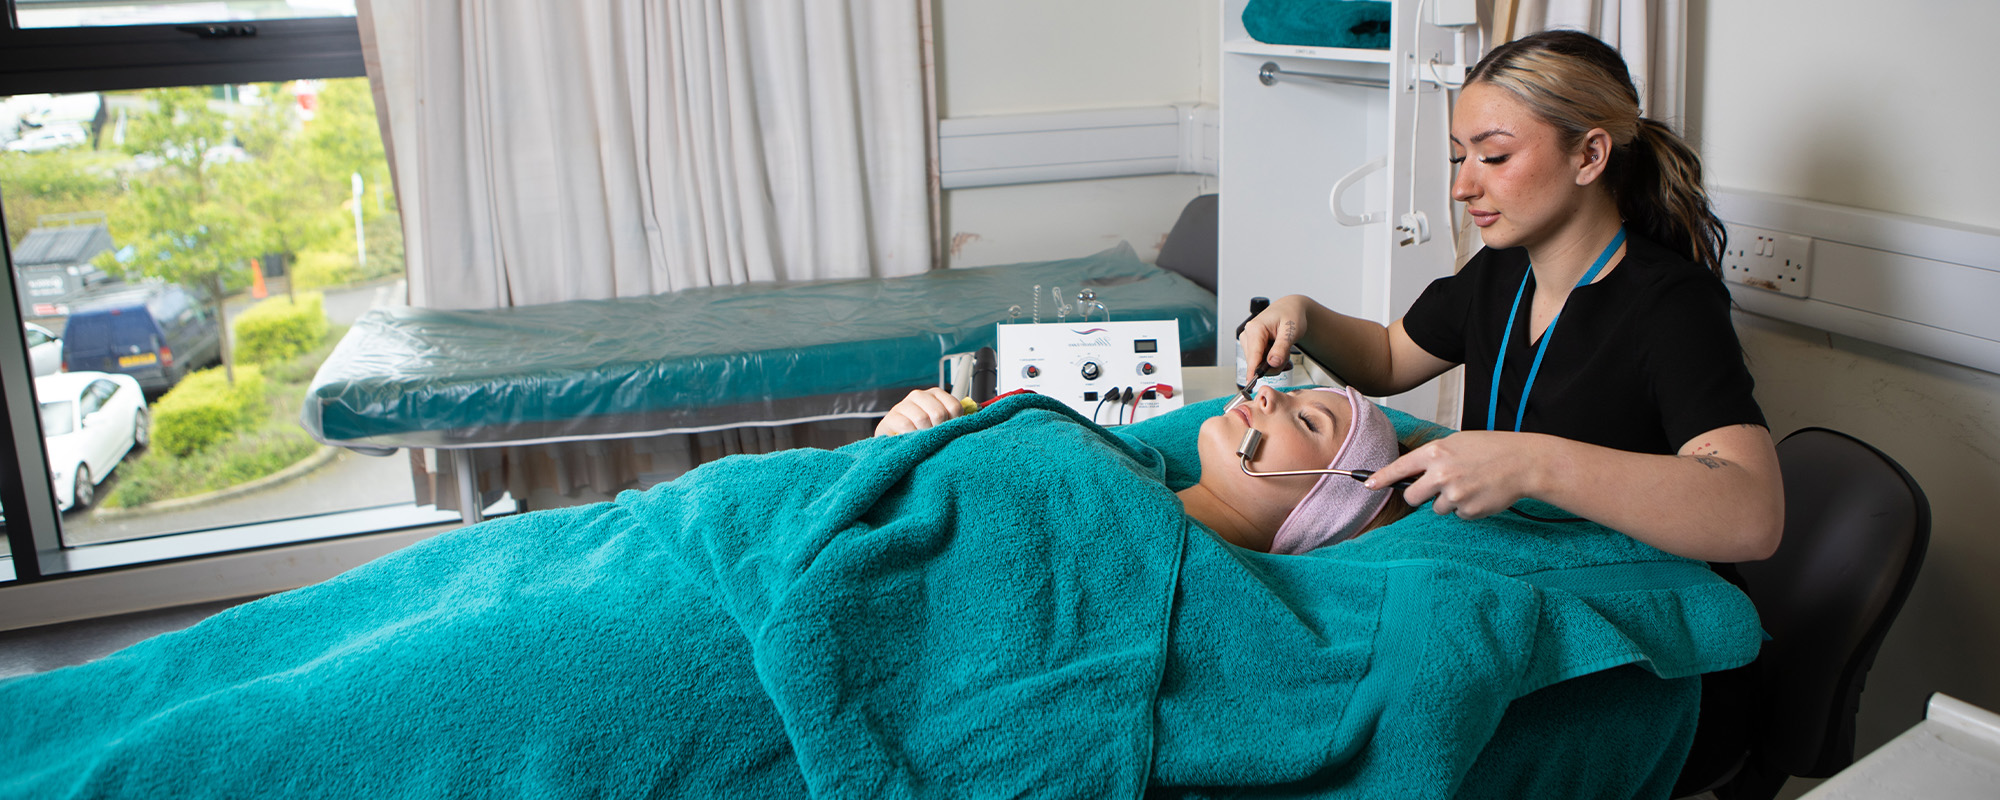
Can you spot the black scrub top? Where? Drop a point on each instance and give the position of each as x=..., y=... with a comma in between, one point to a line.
x=1642, y=360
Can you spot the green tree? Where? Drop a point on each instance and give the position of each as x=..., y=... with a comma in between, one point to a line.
x=344, y=139
x=297, y=190
x=287, y=206
x=34, y=185
x=181, y=227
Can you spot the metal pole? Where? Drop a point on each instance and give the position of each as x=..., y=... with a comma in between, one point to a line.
x=360, y=239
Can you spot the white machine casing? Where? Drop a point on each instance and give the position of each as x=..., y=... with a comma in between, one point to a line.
x=1079, y=362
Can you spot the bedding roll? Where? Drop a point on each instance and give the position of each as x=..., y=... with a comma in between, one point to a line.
x=1319, y=23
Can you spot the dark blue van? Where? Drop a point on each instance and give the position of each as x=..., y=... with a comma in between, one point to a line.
x=155, y=334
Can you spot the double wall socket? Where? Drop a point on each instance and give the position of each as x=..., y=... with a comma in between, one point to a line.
x=1769, y=260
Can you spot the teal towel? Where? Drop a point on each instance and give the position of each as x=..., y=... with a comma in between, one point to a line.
x=1319, y=23
x=1431, y=627
x=1011, y=604
x=981, y=608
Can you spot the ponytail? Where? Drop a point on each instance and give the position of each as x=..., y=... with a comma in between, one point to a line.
x=1660, y=195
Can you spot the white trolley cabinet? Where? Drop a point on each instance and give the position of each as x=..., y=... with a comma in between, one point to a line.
x=1297, y=121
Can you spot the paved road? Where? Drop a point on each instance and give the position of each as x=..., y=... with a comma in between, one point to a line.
x=351, y=481
x=342, y=306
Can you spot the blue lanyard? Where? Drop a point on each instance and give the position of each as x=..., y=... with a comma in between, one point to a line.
x=1493, y=395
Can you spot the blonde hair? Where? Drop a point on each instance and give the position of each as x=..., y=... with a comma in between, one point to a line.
x=1576, y=83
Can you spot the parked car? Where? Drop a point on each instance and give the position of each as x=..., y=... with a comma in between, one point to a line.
x=44, y=349
x=155, y=334
x=90, y=420
x=53, y=137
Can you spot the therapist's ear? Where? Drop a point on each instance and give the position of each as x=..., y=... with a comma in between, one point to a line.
x=1593, y=157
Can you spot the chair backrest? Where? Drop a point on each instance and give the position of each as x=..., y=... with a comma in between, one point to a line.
x=1190, y=248
x=1856, y=527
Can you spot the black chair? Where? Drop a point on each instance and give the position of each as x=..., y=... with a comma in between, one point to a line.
x=1856, y=526
x=1190, y=248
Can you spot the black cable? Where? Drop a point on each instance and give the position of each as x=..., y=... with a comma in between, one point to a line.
x=1546, y=519
x=1099, y=410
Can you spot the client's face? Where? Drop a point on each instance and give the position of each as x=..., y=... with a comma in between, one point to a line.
x=1301, y=430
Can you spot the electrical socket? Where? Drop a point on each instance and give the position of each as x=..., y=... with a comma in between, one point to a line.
x=1770, y=260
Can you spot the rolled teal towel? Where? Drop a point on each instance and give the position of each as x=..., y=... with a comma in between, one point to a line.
x=1319, y=23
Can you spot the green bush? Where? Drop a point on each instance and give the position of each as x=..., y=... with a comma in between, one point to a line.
x=318, y=269
x=204, y=409
x=279, y=329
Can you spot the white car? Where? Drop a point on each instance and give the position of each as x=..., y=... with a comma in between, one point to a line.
x=44, y=349
x=90, y=420
x=54, y=137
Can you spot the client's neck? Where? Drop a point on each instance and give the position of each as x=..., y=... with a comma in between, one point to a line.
x=1232, y=524
x=1238, y=528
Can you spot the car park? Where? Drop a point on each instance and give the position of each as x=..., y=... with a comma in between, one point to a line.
x=155, y=333
x=90, y=421
x=44, y=349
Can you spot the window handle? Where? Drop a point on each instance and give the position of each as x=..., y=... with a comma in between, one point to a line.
x=219, y=31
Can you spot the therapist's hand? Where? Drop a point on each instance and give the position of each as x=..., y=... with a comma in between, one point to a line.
x=1472, y=474
x=1269, y=336
x=922, y=408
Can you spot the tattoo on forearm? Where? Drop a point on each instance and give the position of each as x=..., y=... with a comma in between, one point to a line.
x=1709, y=461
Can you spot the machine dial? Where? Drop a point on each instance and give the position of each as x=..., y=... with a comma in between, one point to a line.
x=1091, y=370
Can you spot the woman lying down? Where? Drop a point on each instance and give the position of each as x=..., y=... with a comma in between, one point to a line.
x=1012, y=603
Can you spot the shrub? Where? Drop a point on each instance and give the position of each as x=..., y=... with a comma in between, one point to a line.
x=297, y=372
x=204, y=409
x=318, y=269
x=279, y=329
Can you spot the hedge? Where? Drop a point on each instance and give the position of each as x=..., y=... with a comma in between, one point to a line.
x=314, y=268
x=279, y=329
x=204, y=409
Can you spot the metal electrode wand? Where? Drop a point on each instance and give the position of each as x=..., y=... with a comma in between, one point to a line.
x=1248, y=391
x=1252, y=438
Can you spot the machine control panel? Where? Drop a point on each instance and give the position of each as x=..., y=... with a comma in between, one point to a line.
x=1110, y=372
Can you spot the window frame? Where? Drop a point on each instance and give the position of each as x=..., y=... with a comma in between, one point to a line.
x=114, y=58
x=118, y=58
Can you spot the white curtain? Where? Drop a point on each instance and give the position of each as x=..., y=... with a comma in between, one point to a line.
x=612, y=148
x=549, y=151
x=1651, y=34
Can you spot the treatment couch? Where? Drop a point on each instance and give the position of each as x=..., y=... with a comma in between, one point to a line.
x=762, y=354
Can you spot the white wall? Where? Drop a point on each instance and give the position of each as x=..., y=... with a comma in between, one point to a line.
x=1882, y=107
x=1032, y=56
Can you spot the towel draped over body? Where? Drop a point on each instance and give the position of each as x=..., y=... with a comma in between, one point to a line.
x=1010, y=604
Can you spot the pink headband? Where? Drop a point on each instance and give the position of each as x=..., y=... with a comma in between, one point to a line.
x=1338, y=505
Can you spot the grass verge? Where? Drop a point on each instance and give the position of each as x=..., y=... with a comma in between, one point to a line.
x=275, y=443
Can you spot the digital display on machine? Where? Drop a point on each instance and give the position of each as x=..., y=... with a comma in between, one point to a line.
x=1145, y=345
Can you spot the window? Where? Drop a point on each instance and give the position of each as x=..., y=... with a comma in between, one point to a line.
x=58, y=417
x=93, y=397
x=164, y=160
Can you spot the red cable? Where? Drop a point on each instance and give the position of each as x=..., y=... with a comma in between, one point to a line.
x=996, y=398
x=1164, y=390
